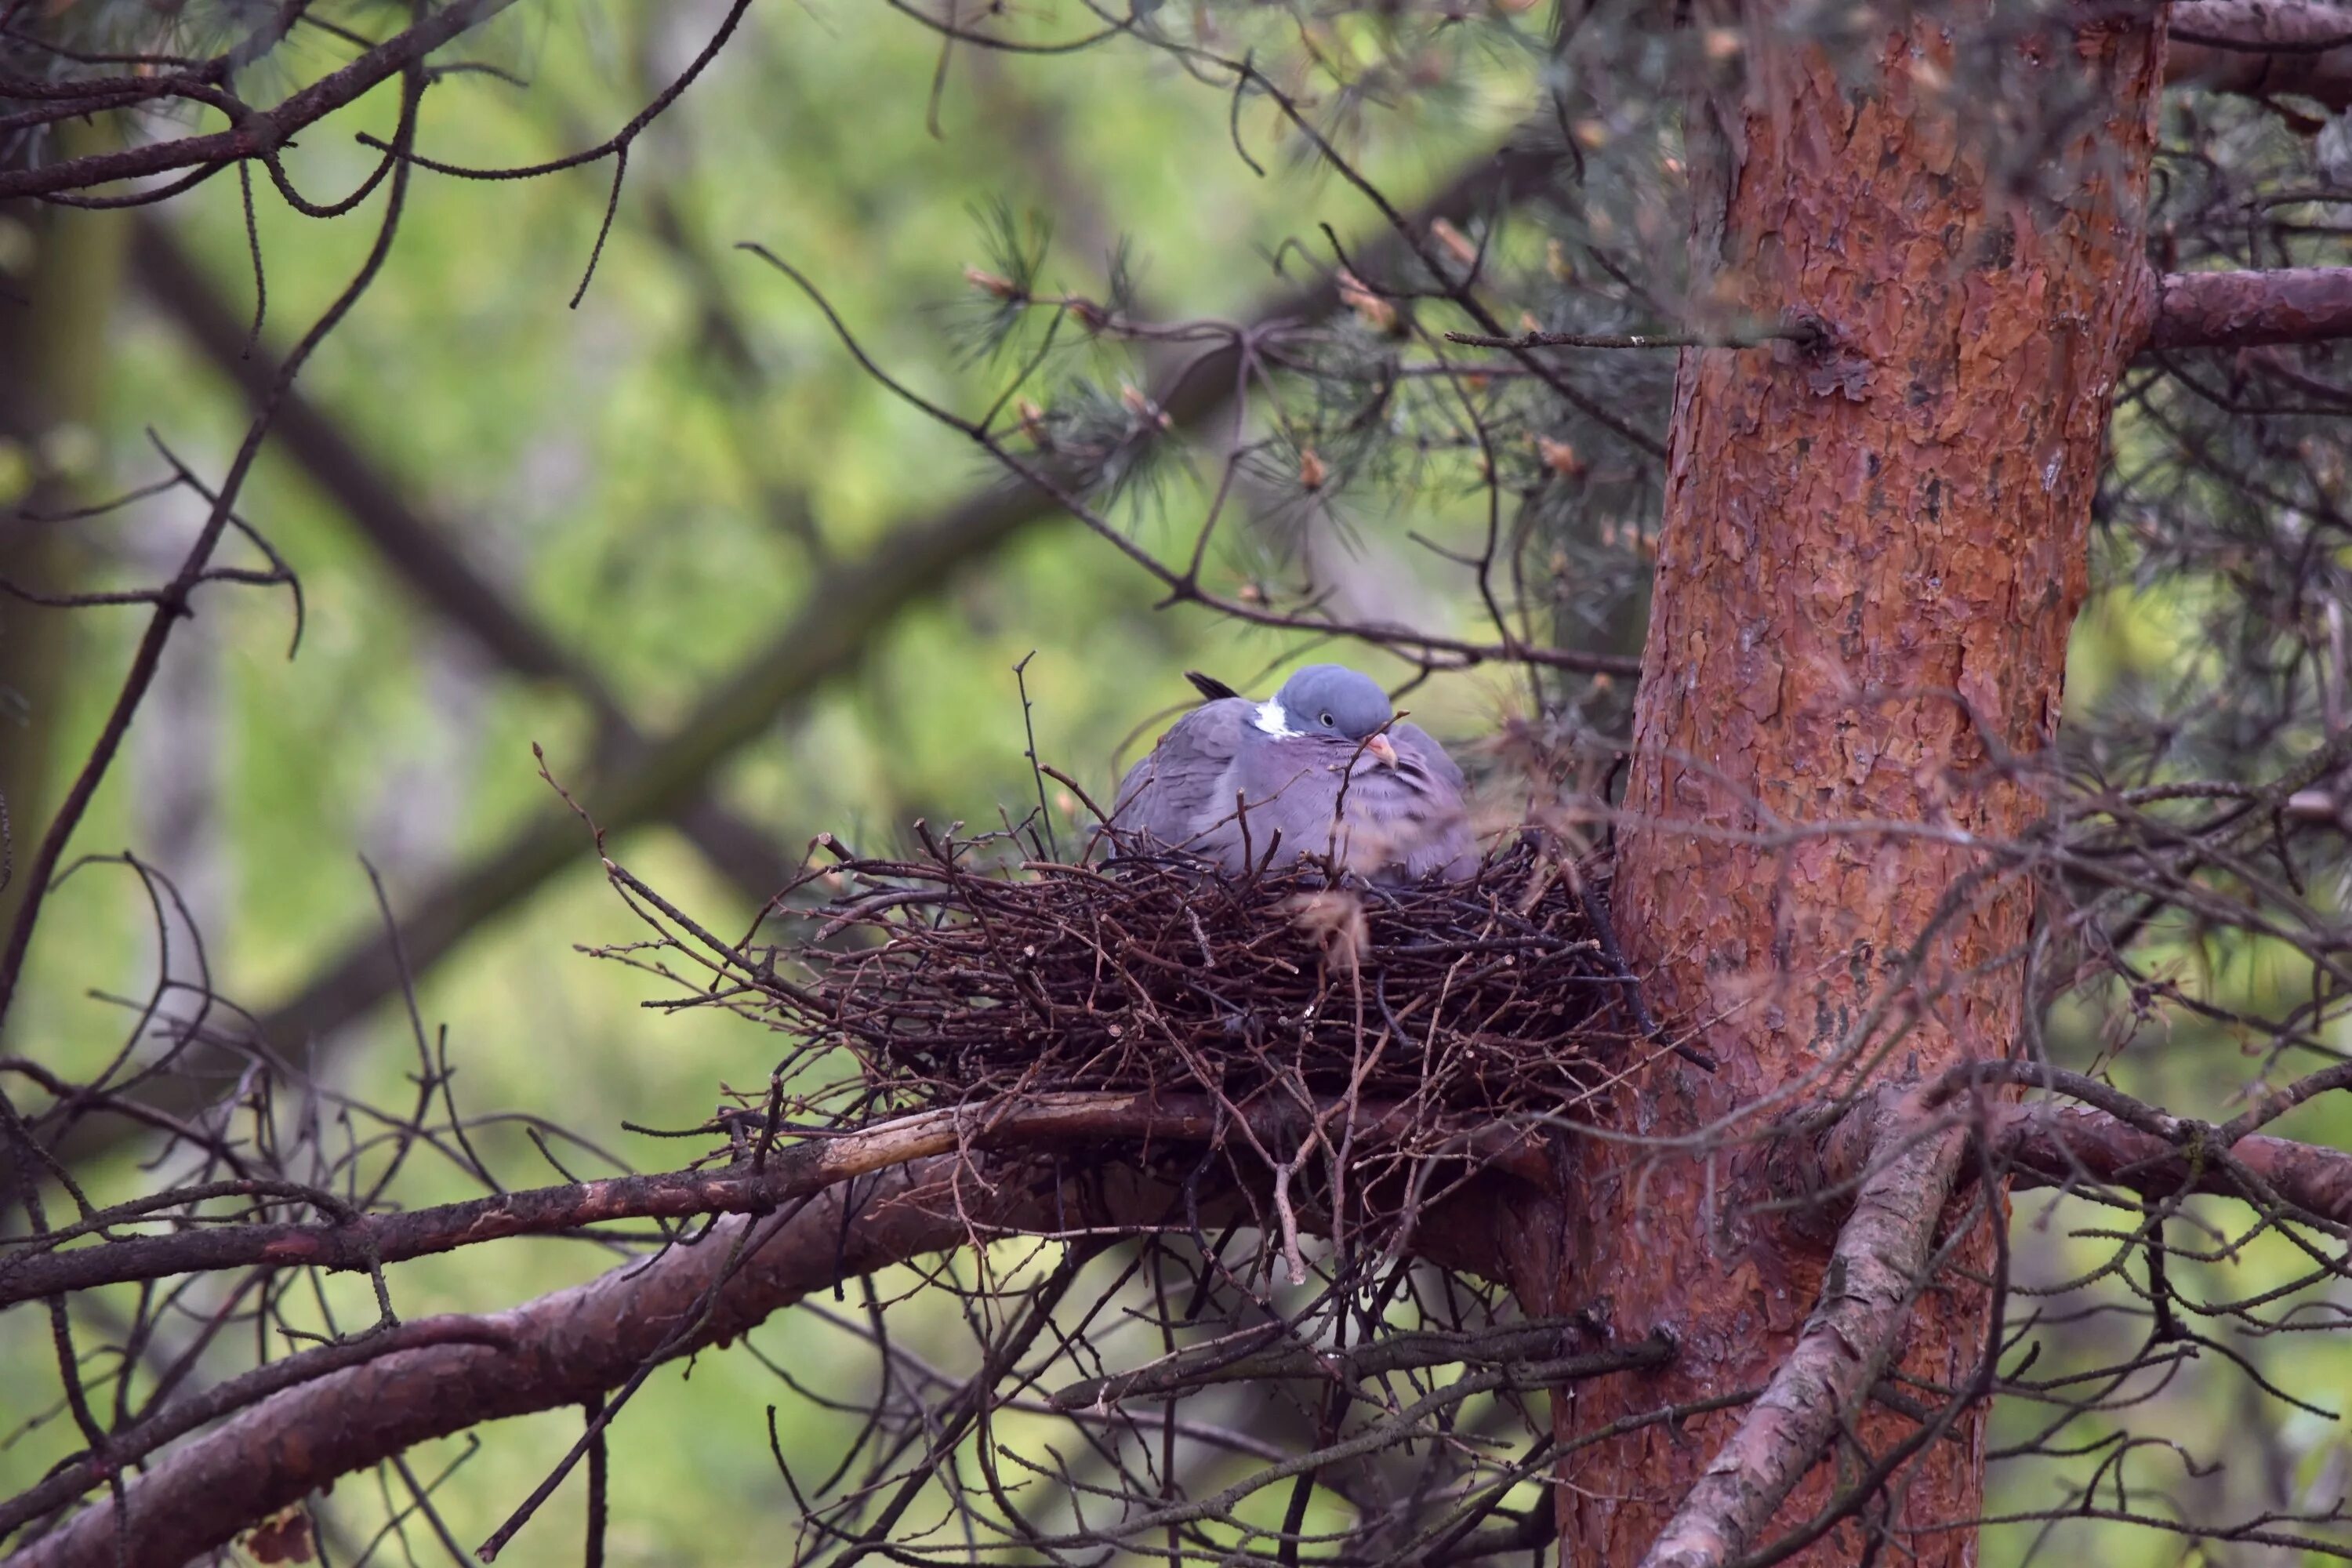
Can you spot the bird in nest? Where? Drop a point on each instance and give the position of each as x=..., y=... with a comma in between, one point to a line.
x=1326, y=763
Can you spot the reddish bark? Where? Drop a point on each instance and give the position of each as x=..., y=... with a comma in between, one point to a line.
x=2066, y=1145
x=2248, y=309
x=1880, y=1253
x=1873, y=552
x=2262, y=47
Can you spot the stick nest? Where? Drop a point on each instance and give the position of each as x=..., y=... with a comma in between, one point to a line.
x=970, y=972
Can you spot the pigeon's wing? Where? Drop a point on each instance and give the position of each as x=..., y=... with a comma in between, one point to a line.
x=1441, y=843
x=1387, y=825
x=1291, y=784
x=1419, y=753
x=1409, y=822
x=1178, y=794
x=1208, y=686
x=1218, y=786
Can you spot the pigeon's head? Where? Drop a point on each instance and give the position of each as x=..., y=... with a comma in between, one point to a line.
x=1336, y=703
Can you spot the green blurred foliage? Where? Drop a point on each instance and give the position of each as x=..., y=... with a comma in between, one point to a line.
x=663, y=508
x=660, y=475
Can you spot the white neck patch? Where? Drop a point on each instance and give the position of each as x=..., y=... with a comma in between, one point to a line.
x=1274, y=721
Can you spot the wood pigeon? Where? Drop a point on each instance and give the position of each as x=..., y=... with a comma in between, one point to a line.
x=1231, y=774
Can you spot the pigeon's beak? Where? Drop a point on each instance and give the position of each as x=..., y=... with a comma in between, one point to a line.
x=1380, y=746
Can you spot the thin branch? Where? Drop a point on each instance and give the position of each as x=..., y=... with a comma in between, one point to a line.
x=1520, y=1345
x=60, y=1487
x=558, y=1351
x=256, y=134
x=371, y=1241
x=1875, y=1272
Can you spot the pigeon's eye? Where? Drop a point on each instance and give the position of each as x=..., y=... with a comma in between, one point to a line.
x=1327, y=721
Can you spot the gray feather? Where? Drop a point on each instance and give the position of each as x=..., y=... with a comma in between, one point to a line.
x=1171, y=796
x=1223, y=789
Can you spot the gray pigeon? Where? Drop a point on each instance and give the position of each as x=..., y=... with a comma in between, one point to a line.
x=1231, y=774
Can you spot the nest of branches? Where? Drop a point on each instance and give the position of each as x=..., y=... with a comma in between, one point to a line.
x=972, y=971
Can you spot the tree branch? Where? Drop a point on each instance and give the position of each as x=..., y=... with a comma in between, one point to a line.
x=418, y=551
x=915, y=1189
x=260, y=133
x=2050, y=1145
x=553, y=1352
x=1530, y=1347
x=2261, y=48
x=1875, y=1272
x=2089, y=1135
x=909, y=1195
x=123, y=1448
x=2249, y=309
x=356, y=1243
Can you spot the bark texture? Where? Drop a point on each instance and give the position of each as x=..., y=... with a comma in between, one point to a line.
x=1882, y=1254
x=2252, y=310
x=2262, y=47
x=1873, y=552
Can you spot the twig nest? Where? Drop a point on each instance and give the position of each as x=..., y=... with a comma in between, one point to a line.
x=970, y=972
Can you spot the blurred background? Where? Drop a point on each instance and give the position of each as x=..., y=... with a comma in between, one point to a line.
x=674, y=536
x=627, y=504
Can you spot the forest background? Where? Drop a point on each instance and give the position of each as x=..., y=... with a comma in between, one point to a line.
x=671, y=478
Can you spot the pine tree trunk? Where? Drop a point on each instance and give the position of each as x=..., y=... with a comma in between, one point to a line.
x=1873, y=555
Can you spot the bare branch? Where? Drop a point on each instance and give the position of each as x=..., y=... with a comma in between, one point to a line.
x=61, y=1486
x=2249, y=309
x=2261, y=47
x=371, y=1241
x=258, y=135
x=2049, y=1145
x=1875, y=1272
x=1524, y=1345
x=2113, y=1142
x=557, y=1350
